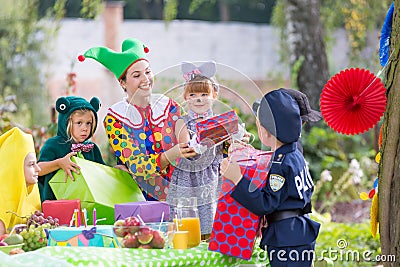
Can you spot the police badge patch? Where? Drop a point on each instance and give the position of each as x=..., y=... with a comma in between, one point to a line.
x=276, y=182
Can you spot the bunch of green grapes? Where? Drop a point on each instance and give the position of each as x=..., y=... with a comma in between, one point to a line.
x=34, y=237
x=33, y=232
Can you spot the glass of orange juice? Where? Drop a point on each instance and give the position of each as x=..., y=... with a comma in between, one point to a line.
x=186, y=218
x=180, y=240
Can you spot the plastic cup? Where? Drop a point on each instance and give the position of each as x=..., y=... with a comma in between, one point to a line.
x=181, y=239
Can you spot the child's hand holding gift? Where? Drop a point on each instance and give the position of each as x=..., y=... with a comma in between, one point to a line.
x=231, y=170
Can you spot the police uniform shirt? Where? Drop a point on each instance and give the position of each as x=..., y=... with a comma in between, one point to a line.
x=289, y=187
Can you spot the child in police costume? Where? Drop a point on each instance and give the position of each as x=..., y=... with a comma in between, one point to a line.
x=286, y=199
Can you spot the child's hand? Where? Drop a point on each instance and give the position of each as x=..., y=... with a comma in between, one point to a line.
x=231, y=170
x=68, y=166
x=246, y=137
x=181, y=150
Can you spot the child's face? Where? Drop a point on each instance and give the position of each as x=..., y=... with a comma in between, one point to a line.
x=81, y=126
x=265, y=137
x=31, y=169
x=199, y=102
x=139, y=80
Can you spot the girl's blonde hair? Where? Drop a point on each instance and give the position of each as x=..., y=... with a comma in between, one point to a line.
x=81, y=112
x=200, y=84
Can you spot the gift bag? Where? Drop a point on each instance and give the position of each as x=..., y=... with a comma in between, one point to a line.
x=217, y=128
x=149, y=211
x=235, y=227
x=97, y=186
x=61, y=209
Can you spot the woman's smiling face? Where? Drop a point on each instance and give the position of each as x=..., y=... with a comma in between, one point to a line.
x=138, y=82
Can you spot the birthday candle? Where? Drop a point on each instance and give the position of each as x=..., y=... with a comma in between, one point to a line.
x=76, y=217
x=94, y=217
x=85, y=217
x=79, y=218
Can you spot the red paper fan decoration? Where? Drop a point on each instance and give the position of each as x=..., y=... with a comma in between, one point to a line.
x=353, y=101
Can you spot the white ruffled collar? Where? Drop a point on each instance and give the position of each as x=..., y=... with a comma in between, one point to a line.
x=130, y=115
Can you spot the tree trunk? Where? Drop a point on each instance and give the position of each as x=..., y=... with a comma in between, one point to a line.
x=224, y=10
x=306, y=47
x=389, y=174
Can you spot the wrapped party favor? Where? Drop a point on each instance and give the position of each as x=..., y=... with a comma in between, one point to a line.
x=217, y=128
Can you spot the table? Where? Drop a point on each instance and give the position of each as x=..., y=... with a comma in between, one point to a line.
x=121, y=257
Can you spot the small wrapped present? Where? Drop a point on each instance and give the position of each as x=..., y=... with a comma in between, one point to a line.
x=61, y=209
x=217, y=128
x=98, y=187
x=98, y=236
x=235, y=227
x=149, y=211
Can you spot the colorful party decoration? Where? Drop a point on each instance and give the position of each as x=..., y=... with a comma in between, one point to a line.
x=384, y=42
x=353, y=101
x=374, y=222
x=364, y=196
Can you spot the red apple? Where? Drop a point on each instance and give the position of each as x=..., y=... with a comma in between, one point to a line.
x=145, y=235
x=130, y=241
x=2, y=237
x=158, y=240
x=119, y=228
x=133, y=224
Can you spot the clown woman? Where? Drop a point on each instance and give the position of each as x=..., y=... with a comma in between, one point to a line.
x=140, y=127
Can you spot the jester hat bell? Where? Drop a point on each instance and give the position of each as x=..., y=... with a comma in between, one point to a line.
x=133, y=50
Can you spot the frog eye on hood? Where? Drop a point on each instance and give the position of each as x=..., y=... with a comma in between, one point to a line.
x=62, y=105
x=95, y=102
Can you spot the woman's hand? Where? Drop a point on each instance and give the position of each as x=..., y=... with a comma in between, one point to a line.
x=231, y=170
x=68, y=166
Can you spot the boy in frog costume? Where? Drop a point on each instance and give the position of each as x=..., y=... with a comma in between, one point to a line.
x=57, y=151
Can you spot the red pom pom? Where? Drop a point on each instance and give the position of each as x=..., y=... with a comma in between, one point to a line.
x=81, y=58
x=146, y=49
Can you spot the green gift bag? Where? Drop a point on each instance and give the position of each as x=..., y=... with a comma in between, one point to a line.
x=97, y=186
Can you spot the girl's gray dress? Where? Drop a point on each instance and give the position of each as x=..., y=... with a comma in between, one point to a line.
x=198, y=177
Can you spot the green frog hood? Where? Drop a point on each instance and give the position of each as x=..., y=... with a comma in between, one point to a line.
x=66, y=105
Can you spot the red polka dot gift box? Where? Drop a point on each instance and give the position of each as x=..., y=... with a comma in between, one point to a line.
x=235, y=227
